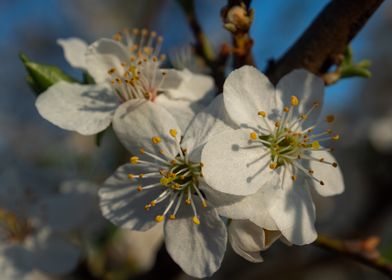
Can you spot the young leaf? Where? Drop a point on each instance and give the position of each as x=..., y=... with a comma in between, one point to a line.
x=41, y=77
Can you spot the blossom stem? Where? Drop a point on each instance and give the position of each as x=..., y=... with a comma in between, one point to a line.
x=363, y=251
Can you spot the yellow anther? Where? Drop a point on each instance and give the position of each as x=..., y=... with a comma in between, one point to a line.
x=153, y=203
x=172, y=217
x=131, y=176
x=159, y=218
x=286, y=109
x=162, y=152
x=253, y=136
x=277, y=123
x=141, y=175
x=134, y=160
x=335, y=137
x=173, y=162
x=204, y=204
x=196, y=220
x=294, y=177
x=173, y=133
x=141, y=150
x=273, y=165
x=262, y=114
x=294, y=100
x=139, y=188
x=330, y=118
x=329, y=131
x=156, y=139
x=117, y=36
x=147, y=207
x=111, y=70
x=315, y=145
x=304, y=116
x=188, y=201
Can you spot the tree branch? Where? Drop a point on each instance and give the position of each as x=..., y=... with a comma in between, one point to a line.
x=203, y=47
x=326, y=38
x=363, y=251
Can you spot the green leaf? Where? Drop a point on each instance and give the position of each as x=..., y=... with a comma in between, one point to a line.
x=41, y=76
x=354, y=71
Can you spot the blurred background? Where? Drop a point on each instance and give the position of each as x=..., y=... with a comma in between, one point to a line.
x=36, y=153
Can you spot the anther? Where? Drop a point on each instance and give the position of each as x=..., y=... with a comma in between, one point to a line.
x=141, y=150
x=204, y=204
x=310, y=171
x=172, y=217
x=111, y=70
x=273, y=165
x=155, y=139
x=315, y=145
x=253, y=136
x=334, y=164
x=173, y=133
x=188, y=201
x=286, y=109
x=139, y=188
x=134, y=160
x=293, y=177
x=277, y=124
x=262, y=114
x=330, y=118
x=322, y=183
x=131, y=176
x=196, y=220
x=159, y=218
x=336, y=137
x=294, y=100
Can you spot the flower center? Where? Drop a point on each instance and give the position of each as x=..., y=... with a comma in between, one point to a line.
x=178, y=179
x=140, y=76
x=287, y=142
x=13, y=228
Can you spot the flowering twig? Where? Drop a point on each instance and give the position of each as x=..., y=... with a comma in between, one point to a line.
x=326, y=38
x=237, y=19
x=203, y=46
x=364, y=251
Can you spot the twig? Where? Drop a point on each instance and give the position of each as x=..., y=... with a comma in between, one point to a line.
x=237, y=18
x=326, y=38
x=364, y=251
x=203, y=47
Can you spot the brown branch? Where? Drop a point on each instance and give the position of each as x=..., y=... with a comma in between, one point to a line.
x=364, y=251
x=203, y=47
x=326, y=38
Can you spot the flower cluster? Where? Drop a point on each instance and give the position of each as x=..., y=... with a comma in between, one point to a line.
x=236, y=168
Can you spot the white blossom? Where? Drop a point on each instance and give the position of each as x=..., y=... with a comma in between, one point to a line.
x=125, y=68
x=276, y=136
x=163, y=183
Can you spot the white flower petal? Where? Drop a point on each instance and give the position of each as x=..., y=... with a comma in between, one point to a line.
x=182, y=111
x=103, y=55
x=74, y=51
x=235, y=165
x=197, y=249
x=247, y=239
x=264, y=220
x=53, y=254
x=246, y=92
x=307, y=87
x=209, y=122
x=331, y=176
x=15, y=262
x=294, y=213
x=123, y=205
x=137, y=121
x=193, y=87
x=247, y=207
x=87, y=109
